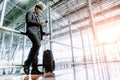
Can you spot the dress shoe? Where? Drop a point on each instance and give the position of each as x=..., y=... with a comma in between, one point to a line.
x=36, y=71
x=26, y=69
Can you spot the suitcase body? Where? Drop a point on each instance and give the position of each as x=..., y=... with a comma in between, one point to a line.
x=48, y=61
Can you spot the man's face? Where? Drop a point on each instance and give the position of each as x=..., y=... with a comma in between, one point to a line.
x=37, y=10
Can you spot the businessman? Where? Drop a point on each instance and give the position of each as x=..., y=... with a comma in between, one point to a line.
x=35, y=33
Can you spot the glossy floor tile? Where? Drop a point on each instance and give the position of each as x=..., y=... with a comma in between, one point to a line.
x=101, y=71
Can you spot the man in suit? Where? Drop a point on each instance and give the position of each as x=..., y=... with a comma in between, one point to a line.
x=35, y=33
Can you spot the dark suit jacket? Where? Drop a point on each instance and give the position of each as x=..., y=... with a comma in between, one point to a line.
x=33, y=26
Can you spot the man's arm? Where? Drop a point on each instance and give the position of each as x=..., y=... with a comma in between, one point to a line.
x=46, y=33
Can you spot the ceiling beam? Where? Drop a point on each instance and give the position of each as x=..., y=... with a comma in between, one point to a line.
x=97, y=14
x=108, y=20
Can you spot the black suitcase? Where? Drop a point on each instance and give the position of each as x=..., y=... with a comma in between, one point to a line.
x=48, y=61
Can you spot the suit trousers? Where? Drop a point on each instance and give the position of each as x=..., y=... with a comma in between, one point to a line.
x=34, y=52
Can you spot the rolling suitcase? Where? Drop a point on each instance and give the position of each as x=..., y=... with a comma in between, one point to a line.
x=48, y=61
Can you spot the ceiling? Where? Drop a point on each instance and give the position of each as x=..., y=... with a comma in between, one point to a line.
x=75, y=10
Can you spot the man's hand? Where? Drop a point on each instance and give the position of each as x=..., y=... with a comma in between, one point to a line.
x=42, y=22
x=46, y=34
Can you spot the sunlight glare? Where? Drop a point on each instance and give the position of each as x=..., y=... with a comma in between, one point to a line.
x=109, y=34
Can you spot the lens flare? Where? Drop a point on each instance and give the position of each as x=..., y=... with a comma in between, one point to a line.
x=108, y=33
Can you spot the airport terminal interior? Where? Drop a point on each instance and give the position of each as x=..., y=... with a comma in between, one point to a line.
x=84, y=40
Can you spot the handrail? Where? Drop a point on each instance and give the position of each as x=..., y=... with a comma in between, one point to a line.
x=9, y=29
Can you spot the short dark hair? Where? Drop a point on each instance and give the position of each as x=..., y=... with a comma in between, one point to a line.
x=39, y=6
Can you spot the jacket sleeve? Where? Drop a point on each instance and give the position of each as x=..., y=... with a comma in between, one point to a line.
x=30, y=21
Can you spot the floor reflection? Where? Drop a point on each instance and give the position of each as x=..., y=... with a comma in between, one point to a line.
x=31, y=77
x=103, y=71
x=47, y=76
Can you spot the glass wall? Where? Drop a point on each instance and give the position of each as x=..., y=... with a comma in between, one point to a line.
x=71, y=41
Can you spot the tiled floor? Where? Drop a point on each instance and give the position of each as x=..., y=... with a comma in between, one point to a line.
x=101, y=71
x=50, y=76
x=57, y=75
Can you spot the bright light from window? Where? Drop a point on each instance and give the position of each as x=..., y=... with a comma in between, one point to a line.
x=109, y=32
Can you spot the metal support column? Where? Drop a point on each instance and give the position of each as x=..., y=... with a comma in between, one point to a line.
x=71, y=46
x=24, y=46
x=1, y=24
x=3, y=13
x=92, y=56
x=11, y=42
x=71, y=40
x=50, y=26
x=2, y=45
x=92, y=21
x=84, y=55
x=106, y=71
x=71, y=43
